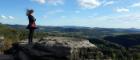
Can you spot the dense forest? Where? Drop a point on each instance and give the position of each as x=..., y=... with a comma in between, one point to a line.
x=116, y=44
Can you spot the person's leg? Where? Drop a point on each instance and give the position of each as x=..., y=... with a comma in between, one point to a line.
x=32, y=33
x=30, y=37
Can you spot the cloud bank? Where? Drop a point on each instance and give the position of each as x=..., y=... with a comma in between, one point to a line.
x=6, y=17
x=122, y=10
x=136, y=4
x=52, y=2
x=89, y=4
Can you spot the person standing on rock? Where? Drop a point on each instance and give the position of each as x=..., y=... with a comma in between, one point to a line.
x=31, y=26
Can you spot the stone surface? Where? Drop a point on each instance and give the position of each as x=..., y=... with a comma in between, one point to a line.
x=68, y=48
x=1, y=41
x=56, y=48
x=66, y=42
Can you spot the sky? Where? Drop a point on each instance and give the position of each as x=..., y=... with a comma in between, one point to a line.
x=88, y=13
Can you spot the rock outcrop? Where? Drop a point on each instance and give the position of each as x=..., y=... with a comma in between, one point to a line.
x=1, y=44
x=1, y=41
x=56, y=48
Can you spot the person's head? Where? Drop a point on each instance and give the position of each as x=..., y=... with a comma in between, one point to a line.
x=29, y=12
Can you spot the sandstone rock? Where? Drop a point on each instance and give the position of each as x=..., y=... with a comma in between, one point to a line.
x=66, y=42
x=69, y=48
x=1, y=41
x=56, y=48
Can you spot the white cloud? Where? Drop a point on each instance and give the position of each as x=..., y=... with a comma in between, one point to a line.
x=6, y=17
x=123, y=17
x=52, y=13
x=90, y=4
x=3, y=17
x=52, y=2
x=136, y=4
x=11, y=17
x=55, y=2
x=40, y=1
x=55, y=11
x=109, y=3
x=129, y=17
x=122, y=10
x=124, y=20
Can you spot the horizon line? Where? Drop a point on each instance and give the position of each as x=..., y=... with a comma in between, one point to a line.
x=74, y=26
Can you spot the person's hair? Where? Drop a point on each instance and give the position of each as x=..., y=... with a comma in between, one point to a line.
x=29, y=12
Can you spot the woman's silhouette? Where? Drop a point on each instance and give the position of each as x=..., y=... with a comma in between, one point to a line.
x=31, y=26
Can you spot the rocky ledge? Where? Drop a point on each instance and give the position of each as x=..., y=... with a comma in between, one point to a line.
x=55, y=48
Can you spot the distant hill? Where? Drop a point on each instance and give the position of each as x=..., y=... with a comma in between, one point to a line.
x=114, y=43
x=85, y=31
x=125, y=37
x=129, y=40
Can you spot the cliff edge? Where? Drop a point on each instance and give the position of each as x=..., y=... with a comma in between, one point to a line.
x=55, y=48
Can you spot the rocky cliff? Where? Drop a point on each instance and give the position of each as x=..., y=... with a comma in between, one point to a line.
x=55, y=48
x=1, y=41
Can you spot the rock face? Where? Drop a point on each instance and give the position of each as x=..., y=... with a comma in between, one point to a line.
x=1, y=41
x=56, y=48
x=69, y=48
x=66, y=42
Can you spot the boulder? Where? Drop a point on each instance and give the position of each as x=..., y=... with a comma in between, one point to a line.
x=56, y=48
x=1, y=41
x=68, y=48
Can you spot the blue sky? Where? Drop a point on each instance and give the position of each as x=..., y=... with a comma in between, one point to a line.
x=89, y=13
